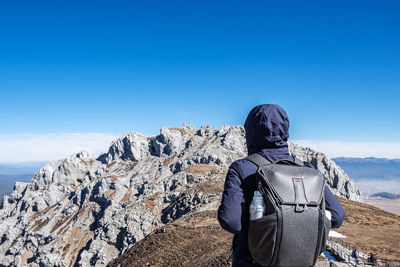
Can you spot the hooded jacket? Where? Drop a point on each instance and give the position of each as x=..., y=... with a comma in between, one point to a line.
x=267, y=132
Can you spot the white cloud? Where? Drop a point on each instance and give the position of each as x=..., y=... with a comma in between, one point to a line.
x=50, y=147
x=371, y=186
x=353, y=149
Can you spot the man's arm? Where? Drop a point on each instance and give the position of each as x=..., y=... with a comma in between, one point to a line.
x=334, y=206
x=230, y=210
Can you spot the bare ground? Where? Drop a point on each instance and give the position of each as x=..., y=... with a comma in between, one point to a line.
x=389, y=205
x=371, y=229
x=197, y=240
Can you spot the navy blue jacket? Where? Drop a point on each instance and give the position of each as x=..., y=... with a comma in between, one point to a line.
x=267, y=132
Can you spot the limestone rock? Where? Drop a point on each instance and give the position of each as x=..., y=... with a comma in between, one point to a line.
x=85, y=211
x=132, y=146
x=339, y=182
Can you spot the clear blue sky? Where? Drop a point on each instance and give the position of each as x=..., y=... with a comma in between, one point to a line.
x=122, y=66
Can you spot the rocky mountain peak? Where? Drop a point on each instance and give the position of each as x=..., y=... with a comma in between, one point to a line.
x=131, y=146
x=338, y=181
x=86, y=210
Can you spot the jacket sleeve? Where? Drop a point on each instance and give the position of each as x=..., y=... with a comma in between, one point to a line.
x=334, y=206
x=230, y=210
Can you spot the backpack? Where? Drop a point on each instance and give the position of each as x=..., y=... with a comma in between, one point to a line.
x=295, y=229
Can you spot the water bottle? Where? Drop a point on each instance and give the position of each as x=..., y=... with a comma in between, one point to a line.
x=257, y=206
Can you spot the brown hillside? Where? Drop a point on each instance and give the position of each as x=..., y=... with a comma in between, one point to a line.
x=371, y=229
x=197, y=239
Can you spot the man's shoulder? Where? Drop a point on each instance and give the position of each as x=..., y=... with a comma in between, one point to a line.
x=239, y=163
x=243, y=166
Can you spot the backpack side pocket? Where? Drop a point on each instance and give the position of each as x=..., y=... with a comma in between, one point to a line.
x=262, y=238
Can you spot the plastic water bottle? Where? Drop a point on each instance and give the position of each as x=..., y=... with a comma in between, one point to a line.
x=257, y=206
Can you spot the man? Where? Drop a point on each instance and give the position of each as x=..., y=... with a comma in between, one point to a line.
x=267, y=132
x=355, y=254
x=372, y=258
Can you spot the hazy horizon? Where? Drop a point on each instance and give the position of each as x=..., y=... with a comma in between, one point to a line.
x=50, y=147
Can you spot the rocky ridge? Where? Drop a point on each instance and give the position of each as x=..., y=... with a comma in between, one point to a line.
x=85, y=211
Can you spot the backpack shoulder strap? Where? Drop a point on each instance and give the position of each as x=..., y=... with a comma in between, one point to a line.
x=295, y=161
x=298, y=162
x=261, y=161
x=258, y=159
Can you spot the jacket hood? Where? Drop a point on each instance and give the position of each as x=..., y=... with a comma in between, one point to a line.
x=267, y=127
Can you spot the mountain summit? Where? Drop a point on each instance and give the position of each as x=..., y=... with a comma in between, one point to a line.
x=86, y=211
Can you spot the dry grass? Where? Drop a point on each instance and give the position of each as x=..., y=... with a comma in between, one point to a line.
x=208, y=141
x=57, y=225
x=77, y=239
x=79, y=214
x=201, y=169
x=195, y=241
x=40, y=224
x=150, y=202
x=65, y=221
x=131, y=166
x=26, y=255
x=43, y=212
x=88, y=163
x=389, y=205
x=127, y=195
x=112, y=177
x=182, y=131
x=209, y=188
x=371, y=230
x=66, y=248
x=109, y=165
x=83, y=162
x=110, y=193
x=84, y=212
x=168, y=161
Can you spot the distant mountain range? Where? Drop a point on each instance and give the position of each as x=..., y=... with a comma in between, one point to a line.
x=21, y=168
x=16, y=172
x=386, y=195
x=7, y=183
x=370, y=168
x=373, y=175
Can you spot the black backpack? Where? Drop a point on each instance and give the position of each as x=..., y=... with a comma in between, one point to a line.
x=294, y=230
